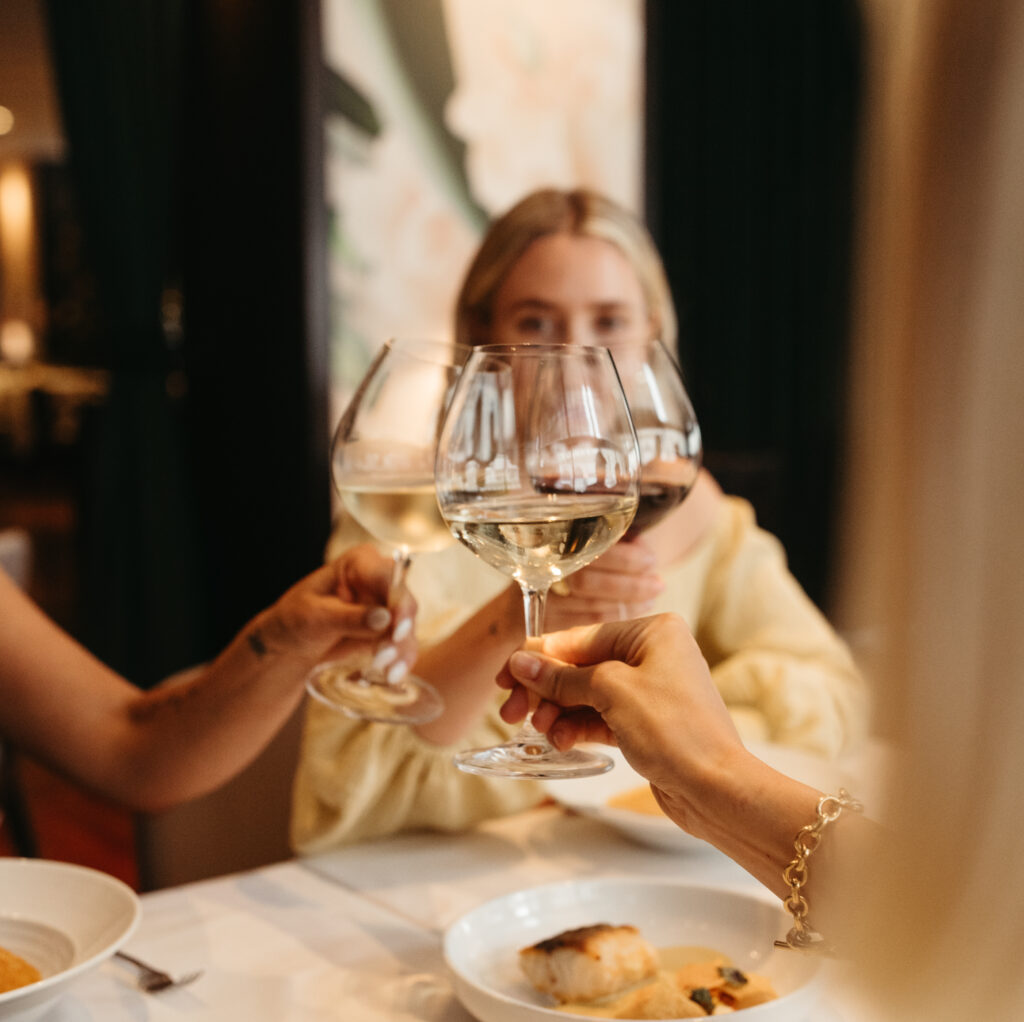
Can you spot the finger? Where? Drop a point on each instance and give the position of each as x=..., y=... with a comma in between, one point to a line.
x=572, y=614
x=554, y=680
x=592, y=644
x=353, y=620
x=579, y=725
x=609, y=586
x=363, y=574
x=633, y=558
x=516, y=706
x=545, y=715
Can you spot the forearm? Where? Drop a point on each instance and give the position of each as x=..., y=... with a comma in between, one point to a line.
x=182, y=740
x=753, y=814
x=463, y=666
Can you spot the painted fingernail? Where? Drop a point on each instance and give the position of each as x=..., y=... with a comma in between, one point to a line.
x=402, y=629
x=398, y=672
x=385, y=655
x=524, y=665
x=378, y=618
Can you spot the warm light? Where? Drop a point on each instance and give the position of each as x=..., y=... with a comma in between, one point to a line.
x=19, y=271
x=15, y=200
x=17, y=342
x=6, y=120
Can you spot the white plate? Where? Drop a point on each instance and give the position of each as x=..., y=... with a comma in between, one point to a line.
x=64, y=920
x=481, y=948
x=589, y=795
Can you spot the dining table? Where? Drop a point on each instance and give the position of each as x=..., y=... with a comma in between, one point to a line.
x=356, y=934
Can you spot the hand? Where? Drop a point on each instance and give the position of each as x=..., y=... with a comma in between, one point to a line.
x=342, y=607
x=642, y=685
x=621, y=583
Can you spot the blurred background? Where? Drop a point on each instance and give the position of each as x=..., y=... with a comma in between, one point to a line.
x=212, y=213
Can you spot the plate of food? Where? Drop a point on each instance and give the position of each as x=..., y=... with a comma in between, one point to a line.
x=57, y=921
x=622, y=798
x=629, y=948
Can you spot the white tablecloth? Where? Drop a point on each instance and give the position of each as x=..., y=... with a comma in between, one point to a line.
x=355, y=935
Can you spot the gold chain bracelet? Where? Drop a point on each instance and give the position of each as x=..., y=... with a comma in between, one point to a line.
x=802, y=936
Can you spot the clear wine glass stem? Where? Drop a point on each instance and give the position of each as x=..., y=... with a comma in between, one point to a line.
x=401, y=558
x=534, y=742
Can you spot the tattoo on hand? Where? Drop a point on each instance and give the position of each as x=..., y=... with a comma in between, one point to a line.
x=256, y=643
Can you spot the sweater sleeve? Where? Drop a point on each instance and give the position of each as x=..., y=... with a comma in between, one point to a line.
x=358, y=781
x=779, y=665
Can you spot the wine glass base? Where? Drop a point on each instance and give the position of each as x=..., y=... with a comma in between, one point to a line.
x=347, y=690
x=532, y=759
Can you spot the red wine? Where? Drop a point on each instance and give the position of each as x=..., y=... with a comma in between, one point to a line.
x=656, y=500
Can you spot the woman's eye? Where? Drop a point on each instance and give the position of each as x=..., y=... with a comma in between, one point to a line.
x=540, y=326
x=612, y=324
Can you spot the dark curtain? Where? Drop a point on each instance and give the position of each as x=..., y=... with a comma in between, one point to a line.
x=752, y=128
x=194, y=135
x=119, y=74
x=256, y=299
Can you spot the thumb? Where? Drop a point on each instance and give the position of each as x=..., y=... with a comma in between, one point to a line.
x=326, y=619
x=554, y=680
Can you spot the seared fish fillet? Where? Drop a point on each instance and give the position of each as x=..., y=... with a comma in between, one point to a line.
x=589, y=962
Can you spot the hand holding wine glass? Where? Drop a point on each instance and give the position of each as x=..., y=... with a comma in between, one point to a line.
x=537, y=473
x=383, y=466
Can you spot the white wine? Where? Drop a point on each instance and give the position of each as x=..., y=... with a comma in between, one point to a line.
x=398, y=512
x=541, y=538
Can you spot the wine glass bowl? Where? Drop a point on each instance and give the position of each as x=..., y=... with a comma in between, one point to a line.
x=537, y=474
x=668, y=434
x=382, y=464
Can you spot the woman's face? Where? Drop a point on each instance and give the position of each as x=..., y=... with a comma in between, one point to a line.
x=570, y=289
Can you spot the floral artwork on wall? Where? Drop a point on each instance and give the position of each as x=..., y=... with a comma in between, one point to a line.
x=441, y=114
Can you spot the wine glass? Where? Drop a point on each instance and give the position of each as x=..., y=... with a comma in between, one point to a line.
x=537, y=473
x=666, y=428
x=382, y=462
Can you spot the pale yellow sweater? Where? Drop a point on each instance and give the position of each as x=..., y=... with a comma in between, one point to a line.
x=783, y=672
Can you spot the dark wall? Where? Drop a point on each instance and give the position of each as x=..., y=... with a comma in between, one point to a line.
x=752, y=123
x=193, y=130
x=255, y=308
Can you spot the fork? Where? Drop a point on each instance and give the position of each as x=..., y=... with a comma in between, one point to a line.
x=153, y=980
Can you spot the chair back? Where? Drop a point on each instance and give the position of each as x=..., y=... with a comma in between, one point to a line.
x=239, y=826
x=15, y=819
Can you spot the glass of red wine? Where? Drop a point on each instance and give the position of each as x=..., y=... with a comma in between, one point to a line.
x=666, y=428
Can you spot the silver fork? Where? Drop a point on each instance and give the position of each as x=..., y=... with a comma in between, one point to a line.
x=153, y=980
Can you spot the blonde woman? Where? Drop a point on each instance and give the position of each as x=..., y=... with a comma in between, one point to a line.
x=574, y=267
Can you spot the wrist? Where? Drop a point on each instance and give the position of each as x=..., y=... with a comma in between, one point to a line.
x=720, y=790
x=268, y=640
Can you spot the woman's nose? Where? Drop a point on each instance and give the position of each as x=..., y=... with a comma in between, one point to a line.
x=578, y=331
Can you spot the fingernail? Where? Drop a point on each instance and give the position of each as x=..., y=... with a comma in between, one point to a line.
x=385, y=655
x=524, y=665
x=398, y=672
x=378, y=618
x=402, y=629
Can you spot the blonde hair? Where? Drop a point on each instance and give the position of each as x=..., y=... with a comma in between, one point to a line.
x=934, y=544
x=555, y=211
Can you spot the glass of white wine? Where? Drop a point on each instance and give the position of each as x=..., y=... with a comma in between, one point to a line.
x=537, y=473
x=382, y=463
